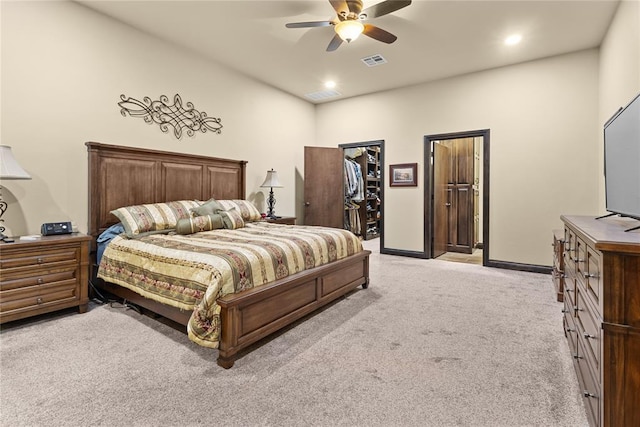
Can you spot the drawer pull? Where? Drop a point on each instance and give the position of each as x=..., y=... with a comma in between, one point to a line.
x=40, y=260
x=577, y=260
x=575, y=356
x=40, y=281
x=589, y=336
x=564, y=310
x=39, y=301
x=569, y=290
x=587, y=394
x=578, y=309
x=590, y=276
x=570, y=330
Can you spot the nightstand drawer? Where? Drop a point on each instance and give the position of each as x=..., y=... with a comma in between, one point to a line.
x=33, y=258
x=38, y=296
x=38, y=278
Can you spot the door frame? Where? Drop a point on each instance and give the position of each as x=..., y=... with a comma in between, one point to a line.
x=379, y=143
x=429, y=181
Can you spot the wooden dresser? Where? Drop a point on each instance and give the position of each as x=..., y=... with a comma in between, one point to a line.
x=602, y=315
x=558, y=263
x=43, y=275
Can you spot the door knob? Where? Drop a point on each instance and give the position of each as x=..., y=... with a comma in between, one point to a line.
x=307, y=203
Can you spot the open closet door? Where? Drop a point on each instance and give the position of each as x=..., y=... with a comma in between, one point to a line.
x=324, y=186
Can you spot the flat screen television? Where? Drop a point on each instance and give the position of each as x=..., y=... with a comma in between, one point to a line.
x=622, y=161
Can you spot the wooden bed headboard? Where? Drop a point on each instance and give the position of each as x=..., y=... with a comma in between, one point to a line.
x=124, y=176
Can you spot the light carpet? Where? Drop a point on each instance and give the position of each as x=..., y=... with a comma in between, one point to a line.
x=430, y=343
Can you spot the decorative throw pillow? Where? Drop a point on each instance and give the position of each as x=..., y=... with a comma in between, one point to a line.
x=247, y=210
x=154, y=217
x=199, y=223
x=232, y=219
x=210, y=207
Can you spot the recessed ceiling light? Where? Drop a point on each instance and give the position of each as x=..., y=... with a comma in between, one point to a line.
x=513, y=39
x=330, y=84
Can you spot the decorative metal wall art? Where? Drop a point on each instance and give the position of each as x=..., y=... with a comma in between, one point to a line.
x=168, y=115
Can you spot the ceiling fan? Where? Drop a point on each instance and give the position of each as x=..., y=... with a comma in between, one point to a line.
x=348, y=25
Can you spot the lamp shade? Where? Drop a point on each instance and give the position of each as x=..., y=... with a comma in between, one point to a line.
x=349, y=30
x=9, y=167
x=271, y=180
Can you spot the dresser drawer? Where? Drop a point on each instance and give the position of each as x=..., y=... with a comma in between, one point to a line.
x=589, y=388
x=591, y=276
x=589, y=333
x=570, y=330
x=578, y=259
x=569, y=293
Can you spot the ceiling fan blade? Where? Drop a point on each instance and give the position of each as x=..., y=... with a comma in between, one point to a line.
x=355, y=6
x=308, y=24
x=340, y=6
x=385, y=7
x=378, y=34
x=335, y=43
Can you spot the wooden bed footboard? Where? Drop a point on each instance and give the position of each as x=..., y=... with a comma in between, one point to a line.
x=253, y=314
x=249, y=316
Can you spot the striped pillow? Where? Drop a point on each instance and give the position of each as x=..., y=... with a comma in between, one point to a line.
x=247, y=210
x=152, y=218
x=199, y=223
x=232, y=219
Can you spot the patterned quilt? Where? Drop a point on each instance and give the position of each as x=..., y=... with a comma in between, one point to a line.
x=192, y=271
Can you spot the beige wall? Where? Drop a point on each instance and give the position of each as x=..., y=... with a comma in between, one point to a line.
x=64, y=68
x=542, y=116
x=619, y=72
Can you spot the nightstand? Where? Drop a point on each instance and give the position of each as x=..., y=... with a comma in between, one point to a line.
x=43, y=275
x=289, y=220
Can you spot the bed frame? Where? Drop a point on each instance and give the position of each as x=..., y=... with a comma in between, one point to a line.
x=123, y=176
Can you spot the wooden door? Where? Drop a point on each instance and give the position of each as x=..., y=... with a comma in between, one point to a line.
x=324, y=186
x=441, y=204
x=461, y=195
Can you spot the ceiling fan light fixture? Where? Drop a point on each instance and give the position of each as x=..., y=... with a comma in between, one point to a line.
x=349, y=30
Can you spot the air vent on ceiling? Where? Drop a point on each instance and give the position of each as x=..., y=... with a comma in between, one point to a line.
x=374, y=60
x=323, y=94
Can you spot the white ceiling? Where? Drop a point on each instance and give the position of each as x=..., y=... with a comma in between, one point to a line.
x=436, y=39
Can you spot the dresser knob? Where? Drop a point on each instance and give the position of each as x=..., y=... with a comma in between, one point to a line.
x=40, y=260
x=40, y=281
x=39, y=301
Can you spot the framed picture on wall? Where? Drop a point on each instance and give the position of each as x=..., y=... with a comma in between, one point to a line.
x=403, y=175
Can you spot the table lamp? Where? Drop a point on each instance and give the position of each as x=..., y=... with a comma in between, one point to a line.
x=272, y=182
x=9, y=169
